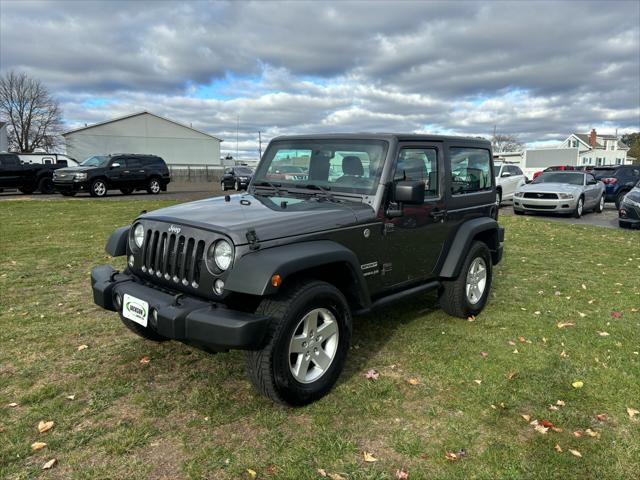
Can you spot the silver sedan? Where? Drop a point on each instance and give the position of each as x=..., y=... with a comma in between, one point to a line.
x=567, y=192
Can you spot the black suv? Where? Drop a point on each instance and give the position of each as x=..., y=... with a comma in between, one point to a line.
x=26, y=177
x=122, y=171
x=281, y=270
x=236, y=177
x=618, y=181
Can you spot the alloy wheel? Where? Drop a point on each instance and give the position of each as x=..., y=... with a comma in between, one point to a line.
x=476, y=280
x=99, y=188
x=154, y=186
x=313, y=345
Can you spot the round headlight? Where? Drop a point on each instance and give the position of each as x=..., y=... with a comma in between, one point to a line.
x=223, y=254
x=138, y=235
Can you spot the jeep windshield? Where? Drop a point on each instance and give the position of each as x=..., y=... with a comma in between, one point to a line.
x=319, y=166
x=96, y=161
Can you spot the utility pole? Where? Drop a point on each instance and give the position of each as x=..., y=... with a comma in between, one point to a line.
x=259, y=145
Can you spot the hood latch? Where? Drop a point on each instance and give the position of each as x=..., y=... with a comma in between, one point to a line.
x=252, y=238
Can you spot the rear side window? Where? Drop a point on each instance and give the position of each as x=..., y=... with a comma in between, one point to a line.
x=419, y=164
x=9, y=160
x=133, y=163
x=156, y=162
x=470, y=170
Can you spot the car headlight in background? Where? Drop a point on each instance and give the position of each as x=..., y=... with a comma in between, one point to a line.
x=138, y=235
x=565, y=196
x=219, y=256
x=80, y=176
x=519, y=194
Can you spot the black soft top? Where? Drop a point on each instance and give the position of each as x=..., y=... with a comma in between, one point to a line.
x=398, y=137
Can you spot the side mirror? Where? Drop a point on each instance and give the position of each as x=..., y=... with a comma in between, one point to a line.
x=409, y=191
x=115, y=165
x=505, y=174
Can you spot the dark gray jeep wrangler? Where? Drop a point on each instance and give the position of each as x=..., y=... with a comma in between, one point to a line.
x=331, y=226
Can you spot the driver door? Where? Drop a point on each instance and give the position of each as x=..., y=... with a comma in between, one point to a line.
x=414, y=240
x=118, y=173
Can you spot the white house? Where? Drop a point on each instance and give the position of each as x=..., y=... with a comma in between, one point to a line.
x=145, y=132
x=597, y=150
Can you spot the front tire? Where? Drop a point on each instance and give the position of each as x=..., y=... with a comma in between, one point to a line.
x=45, y=185
x=306, y=345
x=154, y=186
x=577, y=213
x=98, y=188
x=619, y=199
x=467, y=295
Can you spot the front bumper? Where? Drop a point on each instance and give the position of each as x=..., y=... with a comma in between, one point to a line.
x=187, y=319
x=550, y=205
x=79, y=186
x=629, y=216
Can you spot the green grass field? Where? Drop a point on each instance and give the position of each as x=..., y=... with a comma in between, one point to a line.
x=187, y=414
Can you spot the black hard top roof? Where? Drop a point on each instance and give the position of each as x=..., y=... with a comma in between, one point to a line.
x=400, y=137
x=132, y=155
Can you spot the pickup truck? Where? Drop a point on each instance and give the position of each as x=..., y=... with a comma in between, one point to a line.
x=26, y=177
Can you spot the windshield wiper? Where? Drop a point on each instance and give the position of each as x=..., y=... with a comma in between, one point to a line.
x=326, y=191
x=266, y=183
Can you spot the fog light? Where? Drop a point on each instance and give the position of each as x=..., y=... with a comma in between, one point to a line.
x=131, y=261
x=218, y=287
x=154, y=313
x=118, y=301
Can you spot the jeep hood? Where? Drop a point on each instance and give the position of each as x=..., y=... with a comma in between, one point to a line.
x=271, y=217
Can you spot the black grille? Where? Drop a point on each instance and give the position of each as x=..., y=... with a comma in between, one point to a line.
x=540, y=207
x=174, y=257
x=540, y=195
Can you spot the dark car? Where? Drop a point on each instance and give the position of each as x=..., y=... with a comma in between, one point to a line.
x=279, y=271
x=629, y=211
x=555, y=168
x=236, y=177
x=124, y=172
x=618, y=180
x=26, y=177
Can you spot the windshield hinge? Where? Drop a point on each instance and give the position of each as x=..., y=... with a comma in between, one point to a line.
x=252, y=238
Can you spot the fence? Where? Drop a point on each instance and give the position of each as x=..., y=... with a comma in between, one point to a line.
x=195, y=173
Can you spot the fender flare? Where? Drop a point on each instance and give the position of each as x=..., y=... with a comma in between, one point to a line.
x=462, y=242
x=252, y=273
x=117, y=243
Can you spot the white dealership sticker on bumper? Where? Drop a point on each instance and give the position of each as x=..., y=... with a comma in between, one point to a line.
x=135, y=309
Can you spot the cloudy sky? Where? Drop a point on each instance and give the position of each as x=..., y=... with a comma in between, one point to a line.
x=536, y=69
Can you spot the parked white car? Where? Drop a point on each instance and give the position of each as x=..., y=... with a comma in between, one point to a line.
x=508, y=179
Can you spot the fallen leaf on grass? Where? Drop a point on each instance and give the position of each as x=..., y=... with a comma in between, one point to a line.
x=563, y=354
x=526, y=417
x=82, y=347
x=413, y=381
x=577, y=434
x=145, y=360
x=49, y=465
x=13, y=404
x=45, y=426
x=252, y=473
x=558, y=448
x=541, y=429
x=484, y=354
x=372, y=375
x=515, y=351
x=452, y=457
x=368, y=457
x=566, y=324
x=71, y=397
x=577, y=384
x=591, y=433
x=322, y=472
x=616, y=314
x=512, y=375
x=471, y=318
x=522, y=339
x=335, y=476
x=603, y=334
x=575, y=453
x=560, y=403
x=478, y=381
x=602, y=417
x=582, y=315
x=402, y=474
x=584, y=287
x=553, y=408
x=35, y=446
x=632, y=412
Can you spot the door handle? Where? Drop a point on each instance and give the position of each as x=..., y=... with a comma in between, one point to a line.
x=438, y=214
x=125, y=171
x=140, y=171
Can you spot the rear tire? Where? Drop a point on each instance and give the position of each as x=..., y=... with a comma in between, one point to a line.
x=600, y=206
x=285, y=370
x=45, y=185
x=98, y=188
x=143, y=332
x=459, y=297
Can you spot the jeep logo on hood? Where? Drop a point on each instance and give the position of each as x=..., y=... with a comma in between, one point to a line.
x=174, y=229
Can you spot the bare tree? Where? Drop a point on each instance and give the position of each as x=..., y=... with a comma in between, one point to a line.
x=506, y=143
x=33, y=114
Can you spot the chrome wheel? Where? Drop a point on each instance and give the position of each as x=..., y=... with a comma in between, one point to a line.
x=602, y=203
x=580, y=207
x=313, y=345
x=476, y=280
x=154, y=186
x=99, y=188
